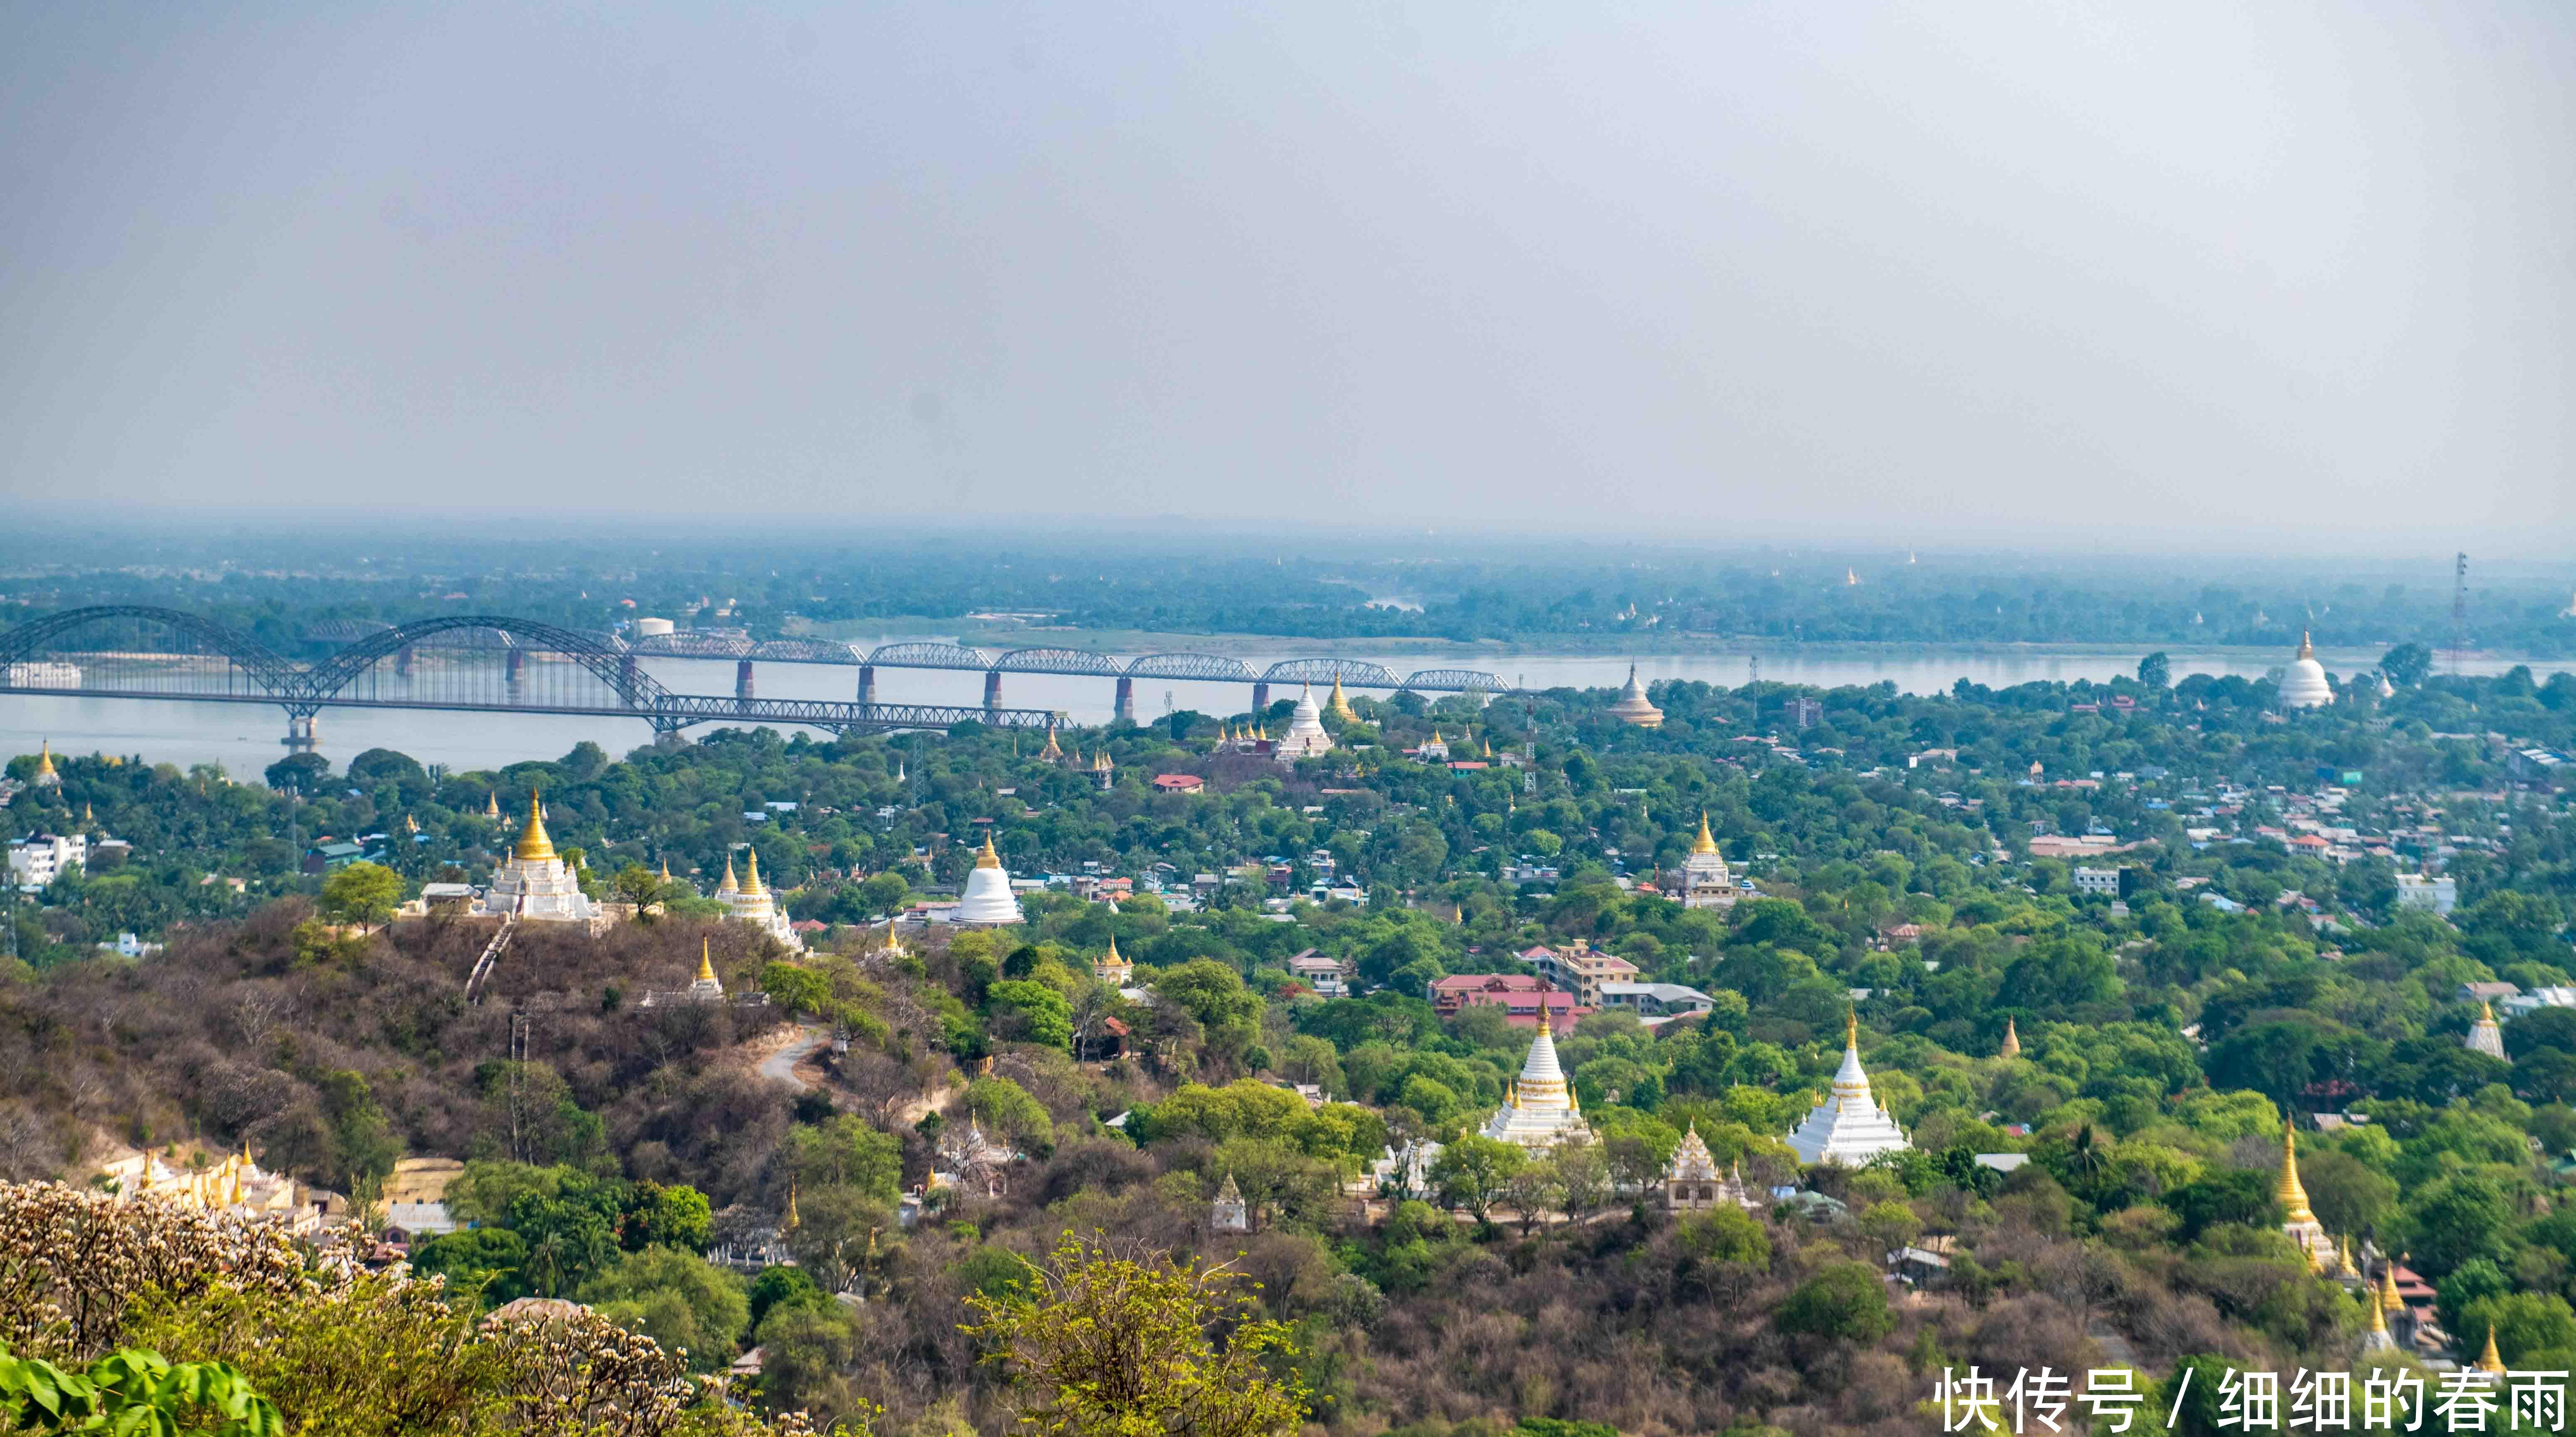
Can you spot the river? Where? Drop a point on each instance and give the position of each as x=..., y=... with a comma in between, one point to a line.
x=244, y=738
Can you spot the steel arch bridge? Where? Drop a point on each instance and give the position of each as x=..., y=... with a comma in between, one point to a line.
x=469, y=663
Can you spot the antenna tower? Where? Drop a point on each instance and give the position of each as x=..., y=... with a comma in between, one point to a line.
x=2459, y=610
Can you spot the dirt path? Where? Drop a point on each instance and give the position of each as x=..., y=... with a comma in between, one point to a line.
x=780, y=1067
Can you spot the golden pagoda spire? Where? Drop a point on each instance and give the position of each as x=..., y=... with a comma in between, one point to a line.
x=410, y=824
x=534, y=846
x=491, y=804
x=2294, y=1198
x=2012, y=1042
x=1851, y=1029
x=987, y=858
x=1704, y=843
x=1340, y=707
x=2388, y=1298
x=87, y=817
x=666, y=868
x=233, y=1197
x=706, y=963
x=2488, y=1361
x=1113, y=948
x=2378, y=1319
x=2306, y=650
x=751, y=872
x=1050, y=753
x=787, y=1223
x=731, y=884
x=45, y=762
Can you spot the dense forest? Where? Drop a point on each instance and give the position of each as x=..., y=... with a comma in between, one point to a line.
x=283, y=587
x=2239, y=982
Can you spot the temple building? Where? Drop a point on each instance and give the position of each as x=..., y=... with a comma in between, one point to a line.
x=2304, y=686
x=1103, y=772
x=1051, y=753
x=1633, y=707
x=1305, y=737
x=1848, y=1128
x=706, y=988
x=1540, y=1110
x=988, y=897
x=236, y=1186
x=1705, y=883
x=2301, y=1222
x=1110, y=968
x=534, y=883
x=1229, y=1213
x=2484, y=1036
x=1692, y=1180
x=1436, y=751
x=750, y=901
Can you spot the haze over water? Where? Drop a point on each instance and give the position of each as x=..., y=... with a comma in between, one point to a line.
x=244, y=737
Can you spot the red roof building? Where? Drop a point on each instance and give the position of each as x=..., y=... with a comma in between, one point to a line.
x=1179, y=782
x=1521, y=996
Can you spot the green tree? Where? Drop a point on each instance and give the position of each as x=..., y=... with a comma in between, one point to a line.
x=2155, y=671
x=1473, y=1172
x=133, y=1391
x=845, y=1152
x=676, y=1298
x=2407, y=665
x=1005, y=1107
x=2456, y=1218
x=1844, y=1301
x=362, y=893
x=1099, y=1341
x=1031, y=1012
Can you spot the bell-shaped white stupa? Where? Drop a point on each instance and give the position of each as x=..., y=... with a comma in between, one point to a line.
x=1634, y=707
x=1541, y=1109
x=1305, y=737
x=988, y=891
x=1848, y=1128
x=2304, y=685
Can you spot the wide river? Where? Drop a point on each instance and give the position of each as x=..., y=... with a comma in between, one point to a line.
x=244, y=738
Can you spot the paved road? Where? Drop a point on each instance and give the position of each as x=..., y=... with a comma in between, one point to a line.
x=780, y=1067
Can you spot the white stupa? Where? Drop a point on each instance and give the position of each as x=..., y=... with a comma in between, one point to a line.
x=535, y=883
x=1848, y=1128
x=2484, y=1036
x=988, y=891
x=2304, y=686
x=750, y=901
x=1305, y=737
x=1634, y=707
x=1540, y=1110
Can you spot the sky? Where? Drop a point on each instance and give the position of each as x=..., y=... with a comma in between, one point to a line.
x=2214, y=275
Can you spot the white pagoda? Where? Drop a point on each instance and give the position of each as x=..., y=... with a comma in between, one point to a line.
x=2484, y=1036
x=2304, y=685
x=1705, y=883
x=1305, y=737
x=750, y=901
x=534, y=883
x=1848, y=1128
x=988, y=891
x=1540, y=1110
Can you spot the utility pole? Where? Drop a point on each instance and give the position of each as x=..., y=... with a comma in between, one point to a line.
x=2459, y=610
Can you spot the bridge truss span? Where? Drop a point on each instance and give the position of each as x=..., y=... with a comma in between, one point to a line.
x=929, y=655
x=1355, y=673
x=1454, y=681
x=1187, y=667
x=1059, y=661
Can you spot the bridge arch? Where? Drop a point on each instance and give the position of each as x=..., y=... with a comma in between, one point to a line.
x=1465, y=681
x=1058, y=661
x=243, y=656
x=929, y=655
x=611, y=664
x=1355, y=673
x=1210, y=668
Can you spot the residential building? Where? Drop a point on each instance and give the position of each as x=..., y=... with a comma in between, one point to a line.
x=1806, y=712
x=1580, y=969
x=37, y=861
x=2100, y=882
x=1655, y=1000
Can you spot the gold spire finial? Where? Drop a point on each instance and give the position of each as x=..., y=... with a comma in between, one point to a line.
x=751, y=871
x=2012, y=1041
x=2388, y=1298
x=1851, y=1029
x=2306, y=650
x=491, y=804
x=2486, y=1010
x=2378, y=1319
x=45, y=761
x=2294, y=1198
x=987, y=858
x=788, y=1222
x=706, y=963
x=666, y=868
x=1704, y=843
x=731, y=884
x=2488, y=1361
x=534, y=846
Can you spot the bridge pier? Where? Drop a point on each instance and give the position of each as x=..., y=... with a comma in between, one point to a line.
x=867, y=683
x=742, y=688
x=402, y=661
x=669, y=737
x=1260, y=700
x=1125, y=709
x=516, y=667
x=303, y=734
x=992, y=691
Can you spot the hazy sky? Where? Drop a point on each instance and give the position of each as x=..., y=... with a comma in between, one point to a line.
x=1964, y=271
